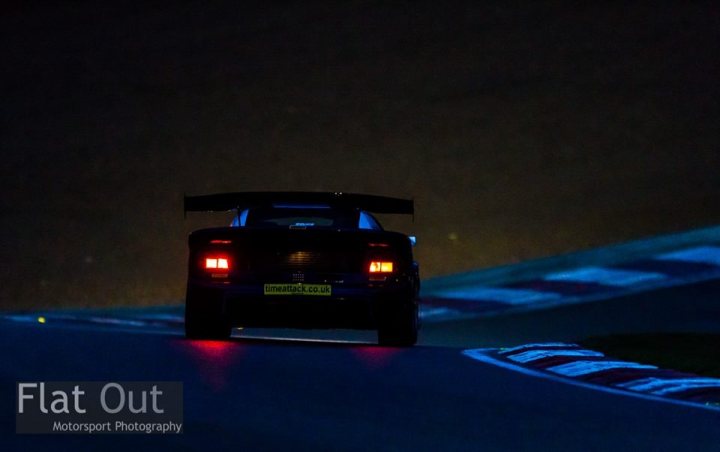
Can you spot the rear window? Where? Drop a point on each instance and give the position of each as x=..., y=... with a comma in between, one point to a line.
x=302, y=218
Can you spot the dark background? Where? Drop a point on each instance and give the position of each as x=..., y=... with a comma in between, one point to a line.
x=522, y=129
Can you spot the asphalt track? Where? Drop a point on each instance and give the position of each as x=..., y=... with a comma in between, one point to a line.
x=259, y=394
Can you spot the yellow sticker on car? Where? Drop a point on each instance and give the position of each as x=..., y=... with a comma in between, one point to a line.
x=321, y=290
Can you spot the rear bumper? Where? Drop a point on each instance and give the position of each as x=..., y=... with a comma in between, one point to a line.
x=357, y=307
x=302, y=313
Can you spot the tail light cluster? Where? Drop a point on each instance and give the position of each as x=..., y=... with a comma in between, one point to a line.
x=216, y=261
x=381, y=266
x=216, y=265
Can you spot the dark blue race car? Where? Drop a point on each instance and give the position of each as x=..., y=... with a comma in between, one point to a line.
x=302, y=260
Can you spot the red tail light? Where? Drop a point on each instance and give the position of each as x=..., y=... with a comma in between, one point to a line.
x=217, y=263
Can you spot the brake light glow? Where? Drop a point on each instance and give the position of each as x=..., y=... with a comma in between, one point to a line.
x=381, y=267
x=219, y=263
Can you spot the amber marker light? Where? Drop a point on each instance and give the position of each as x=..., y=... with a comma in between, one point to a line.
x=381, y=267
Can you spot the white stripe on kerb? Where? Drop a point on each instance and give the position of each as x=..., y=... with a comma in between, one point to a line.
x=113, y=321
x=483, y=355
x=687, y=387
x=579, y=368
x=501, y=295
x=605, y=276
x=534, y=355
x=701, y=255
x=505, y=351
x=661, y=385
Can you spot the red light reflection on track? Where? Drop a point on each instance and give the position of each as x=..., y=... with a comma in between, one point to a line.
x=375, y=357
x=214, y=359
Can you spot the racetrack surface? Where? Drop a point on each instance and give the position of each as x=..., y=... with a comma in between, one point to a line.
x=261, y=394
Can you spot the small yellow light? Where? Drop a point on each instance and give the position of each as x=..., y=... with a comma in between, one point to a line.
x=41, y=319
x=381, y=267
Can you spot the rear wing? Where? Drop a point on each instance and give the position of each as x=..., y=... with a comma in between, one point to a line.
x=244, y=200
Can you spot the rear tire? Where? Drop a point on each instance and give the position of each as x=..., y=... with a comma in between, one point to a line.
x=204, y=316
x=399, y=326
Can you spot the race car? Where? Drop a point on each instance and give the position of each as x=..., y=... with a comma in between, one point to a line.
x=310, y=260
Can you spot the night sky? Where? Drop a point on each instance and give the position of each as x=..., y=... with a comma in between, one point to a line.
x=521, y=131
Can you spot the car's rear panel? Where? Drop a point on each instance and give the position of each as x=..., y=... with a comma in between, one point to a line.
x=337, y=261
